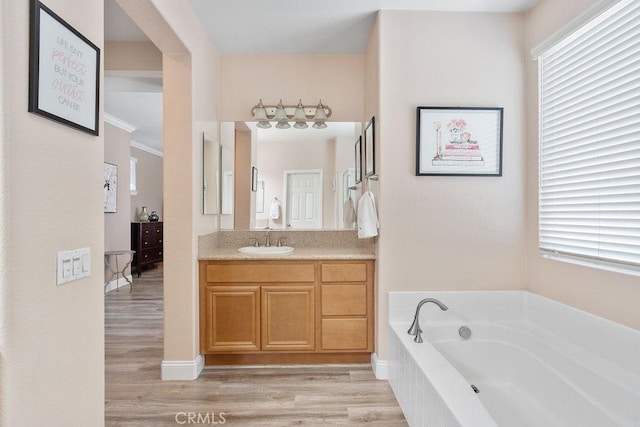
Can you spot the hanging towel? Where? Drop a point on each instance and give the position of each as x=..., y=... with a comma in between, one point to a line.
x=367, y=216
x=349, y=213
x=274, y=211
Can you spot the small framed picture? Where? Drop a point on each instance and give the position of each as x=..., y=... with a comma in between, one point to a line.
x=370, y=148
x=64, y=71
x=110, y=188
x=459, y=141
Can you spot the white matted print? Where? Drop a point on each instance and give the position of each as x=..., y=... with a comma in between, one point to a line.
x=459, y=141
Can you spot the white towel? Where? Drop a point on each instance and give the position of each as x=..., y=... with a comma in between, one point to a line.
x=274, y=211
x=367, y=216
x=349, y=213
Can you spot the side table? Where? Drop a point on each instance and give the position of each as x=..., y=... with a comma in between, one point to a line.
x=117, y=271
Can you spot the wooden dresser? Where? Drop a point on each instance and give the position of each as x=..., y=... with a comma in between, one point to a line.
x=298, y=311
x=146, y=240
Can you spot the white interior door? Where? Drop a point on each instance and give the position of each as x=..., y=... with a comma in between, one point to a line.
x=304, y=199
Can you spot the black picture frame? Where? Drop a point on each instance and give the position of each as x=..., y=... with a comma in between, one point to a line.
x=358, y=159
x=64, y=71
x=370, y=148
x=254, y=179
x=472, y=144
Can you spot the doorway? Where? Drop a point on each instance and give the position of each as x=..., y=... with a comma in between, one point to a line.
x=303, y=190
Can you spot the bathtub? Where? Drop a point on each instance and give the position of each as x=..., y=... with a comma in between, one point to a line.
x=530, y=361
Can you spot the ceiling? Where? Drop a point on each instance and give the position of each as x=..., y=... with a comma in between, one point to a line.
x=262, y=27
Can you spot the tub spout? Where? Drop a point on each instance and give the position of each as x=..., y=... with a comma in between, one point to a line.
x=415, y=326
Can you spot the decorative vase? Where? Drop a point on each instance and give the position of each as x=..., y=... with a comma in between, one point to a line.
x=154, y=217
x=144, y=215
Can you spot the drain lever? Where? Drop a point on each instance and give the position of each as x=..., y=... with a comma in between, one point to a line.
x=475, y=389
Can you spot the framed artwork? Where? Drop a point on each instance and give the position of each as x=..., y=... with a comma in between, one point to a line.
x=359, y=160
x=370, y=148
x=110, y=188
x=459, y=141
x=64, y=71
x=254, y=178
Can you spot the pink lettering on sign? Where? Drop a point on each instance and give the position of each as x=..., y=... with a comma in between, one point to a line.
x=69, y=90
x=69, y=61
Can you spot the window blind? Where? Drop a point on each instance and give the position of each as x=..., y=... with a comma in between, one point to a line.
x=589, y=178
x=133, y=176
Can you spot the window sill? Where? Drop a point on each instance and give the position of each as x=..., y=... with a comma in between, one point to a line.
x=600, y=265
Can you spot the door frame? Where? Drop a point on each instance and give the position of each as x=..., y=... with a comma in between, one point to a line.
x=286, y=173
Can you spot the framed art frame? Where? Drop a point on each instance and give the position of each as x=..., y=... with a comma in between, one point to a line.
x=358, y=159
x=110, y=188
x=64, y=71
x=370, y=148
x=254, y=178
x=459, y=141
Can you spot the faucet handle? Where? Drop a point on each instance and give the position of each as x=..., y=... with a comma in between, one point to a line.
x=280, y=241
x=255, y=243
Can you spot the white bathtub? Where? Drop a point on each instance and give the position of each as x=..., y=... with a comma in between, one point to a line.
x=535, y=362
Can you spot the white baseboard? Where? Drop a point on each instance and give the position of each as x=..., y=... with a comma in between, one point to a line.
x=181, y=370
x=111, y=286
x=380, y=367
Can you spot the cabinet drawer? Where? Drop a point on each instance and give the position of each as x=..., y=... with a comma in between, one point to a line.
x=151, y=229
x=344, y=300
x=344, y=334
x=344, y=272
x=260, y=273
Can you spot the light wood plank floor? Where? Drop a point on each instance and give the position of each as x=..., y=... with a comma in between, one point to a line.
x=265, y=396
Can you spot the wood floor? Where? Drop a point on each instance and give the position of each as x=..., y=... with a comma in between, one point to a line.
x=265, y=396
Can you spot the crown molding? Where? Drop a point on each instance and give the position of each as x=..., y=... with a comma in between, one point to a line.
x=125, y=126
x=146, y=148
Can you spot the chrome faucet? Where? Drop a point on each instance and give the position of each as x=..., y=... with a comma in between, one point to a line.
x=415, y=326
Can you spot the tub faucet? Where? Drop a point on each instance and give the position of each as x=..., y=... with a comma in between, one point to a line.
x=415, y=326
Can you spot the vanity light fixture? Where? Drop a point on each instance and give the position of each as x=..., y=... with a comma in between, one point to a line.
x=282, y=114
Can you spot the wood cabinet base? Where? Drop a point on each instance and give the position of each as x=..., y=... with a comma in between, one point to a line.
x=285, y=358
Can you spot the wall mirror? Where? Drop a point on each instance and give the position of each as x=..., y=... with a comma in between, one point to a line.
x=306, y=177
x=211, y=179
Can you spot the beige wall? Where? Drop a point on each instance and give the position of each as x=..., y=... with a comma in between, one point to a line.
x=611, y=295
x=189, y=62
x=132, y=56
x=148, y=183
x=448, y=233
x=337, y=80
x=51, y=337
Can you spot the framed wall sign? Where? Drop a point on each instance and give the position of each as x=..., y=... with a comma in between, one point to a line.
x=370, y=148
x=64, y=71
x=358, y=159
x=459, y=141
x=110, y=188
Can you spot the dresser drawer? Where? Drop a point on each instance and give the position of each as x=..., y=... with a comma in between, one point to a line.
x=151, y=229
x=151, y=255
x=151, y=241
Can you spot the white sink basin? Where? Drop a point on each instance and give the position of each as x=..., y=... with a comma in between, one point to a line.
x=264, y=250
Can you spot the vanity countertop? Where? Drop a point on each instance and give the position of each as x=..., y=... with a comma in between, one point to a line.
x=308, y=245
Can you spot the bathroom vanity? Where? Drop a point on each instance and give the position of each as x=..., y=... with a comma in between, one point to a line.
x=315, y=305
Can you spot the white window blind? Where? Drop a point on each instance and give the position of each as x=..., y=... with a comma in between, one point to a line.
x=589, y=200
x=133, y=179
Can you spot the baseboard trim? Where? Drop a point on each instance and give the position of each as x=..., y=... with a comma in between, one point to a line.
x=112, y=285
x=380, y=367
x=181, y=370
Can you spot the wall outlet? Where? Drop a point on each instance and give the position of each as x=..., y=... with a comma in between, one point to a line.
x=73, y=265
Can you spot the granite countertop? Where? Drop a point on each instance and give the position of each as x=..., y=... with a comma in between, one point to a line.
x=308, y=245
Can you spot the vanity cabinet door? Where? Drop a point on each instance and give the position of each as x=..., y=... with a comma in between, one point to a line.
x=288, y=317
x=232, y=322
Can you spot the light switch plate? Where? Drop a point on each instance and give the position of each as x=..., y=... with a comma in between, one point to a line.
x=73, y=265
